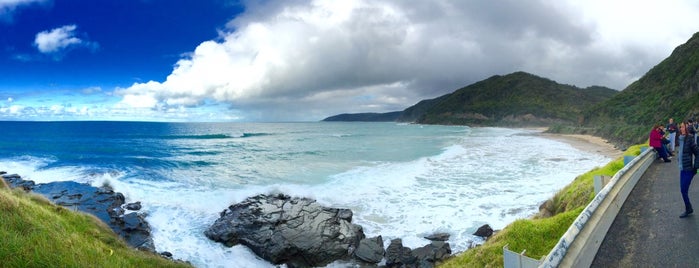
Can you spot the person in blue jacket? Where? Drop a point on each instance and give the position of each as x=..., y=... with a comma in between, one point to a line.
x=689, y=162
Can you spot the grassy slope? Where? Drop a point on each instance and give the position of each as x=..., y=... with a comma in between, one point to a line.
x=36, y=233
x=539, y=235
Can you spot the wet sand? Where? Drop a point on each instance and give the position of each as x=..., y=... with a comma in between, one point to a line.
x=587, y=143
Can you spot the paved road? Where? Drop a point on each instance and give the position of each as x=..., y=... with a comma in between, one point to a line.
x=648, y=232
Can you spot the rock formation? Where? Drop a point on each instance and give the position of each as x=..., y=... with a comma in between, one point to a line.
x=297, y=232
x=300, y=233
x=102, y=202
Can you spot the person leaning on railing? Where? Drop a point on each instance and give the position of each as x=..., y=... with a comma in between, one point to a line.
x=656, y=141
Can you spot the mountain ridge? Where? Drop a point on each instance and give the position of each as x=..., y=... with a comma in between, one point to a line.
x=519, y=99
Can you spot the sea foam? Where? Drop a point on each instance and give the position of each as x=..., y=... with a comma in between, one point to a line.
x=474, y=176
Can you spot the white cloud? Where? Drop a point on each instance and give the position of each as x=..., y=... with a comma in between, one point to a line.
x=57, y=39
x=303, y=60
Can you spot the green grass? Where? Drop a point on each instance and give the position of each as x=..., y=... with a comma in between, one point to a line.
x=36, y=233
x=540, y=234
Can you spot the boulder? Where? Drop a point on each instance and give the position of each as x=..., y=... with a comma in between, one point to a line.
x=284, y=230
x=134, y=206
x=484, y=231
x=370, y=250
x=438, y=237
x=430, y=254
x=423, y=257
x=399, y=256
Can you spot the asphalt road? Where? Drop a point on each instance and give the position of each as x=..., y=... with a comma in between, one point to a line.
x=648, y=232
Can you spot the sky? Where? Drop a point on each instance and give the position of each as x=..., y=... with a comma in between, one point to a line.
x=304, y=60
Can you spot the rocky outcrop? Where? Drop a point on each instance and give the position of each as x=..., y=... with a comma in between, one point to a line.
x=300, y=233
x=399, y=256
x=102, y=202
x=484, y=231
x=284, y=230
x=423, y=257
x=370, y=250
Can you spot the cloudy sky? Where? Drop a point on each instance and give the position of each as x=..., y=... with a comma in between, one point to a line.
x=296, y=60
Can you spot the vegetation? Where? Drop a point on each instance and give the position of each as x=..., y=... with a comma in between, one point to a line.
x=365, y=117
x=514, y=99
x=540, y=234
x=517, y=99
x=36, y=233
x=670, y=89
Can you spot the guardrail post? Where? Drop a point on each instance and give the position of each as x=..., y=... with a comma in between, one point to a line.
x=601, y=181
x=513, y=259
x=628, y=159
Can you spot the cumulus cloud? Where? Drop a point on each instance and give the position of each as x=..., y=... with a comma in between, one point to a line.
x=286, y=60
x=58, y=40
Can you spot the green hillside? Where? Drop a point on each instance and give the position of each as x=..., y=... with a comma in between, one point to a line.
x=670, y=89
x=365, y=117
x=517, y=99
x=37, y=233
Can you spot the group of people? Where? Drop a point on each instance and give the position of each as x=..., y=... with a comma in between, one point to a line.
x=664, y=140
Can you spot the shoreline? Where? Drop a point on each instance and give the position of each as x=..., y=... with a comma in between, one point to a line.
x=588, y=143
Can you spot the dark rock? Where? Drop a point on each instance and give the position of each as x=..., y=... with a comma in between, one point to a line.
x=135, y=230
x=370, y=250
x=134, y=206
x=484, y=231
x=166, y=254
x=101, y=202
x=15, y=181
x=428, y=255
x=438, y=237
x=399, y=256
x=284, y=230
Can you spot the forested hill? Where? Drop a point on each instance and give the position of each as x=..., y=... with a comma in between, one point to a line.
x=365, y=117
x=670, y=89
x=517, y=99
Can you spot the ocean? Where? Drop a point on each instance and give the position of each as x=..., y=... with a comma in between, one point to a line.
x=401, y=180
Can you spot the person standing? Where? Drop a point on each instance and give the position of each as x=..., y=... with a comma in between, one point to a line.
x=656, y=141
x=672, y=130
x=689, y=161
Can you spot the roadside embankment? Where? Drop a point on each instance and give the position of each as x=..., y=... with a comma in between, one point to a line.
x=540, y=233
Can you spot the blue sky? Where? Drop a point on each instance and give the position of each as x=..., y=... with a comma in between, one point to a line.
x=222, y=60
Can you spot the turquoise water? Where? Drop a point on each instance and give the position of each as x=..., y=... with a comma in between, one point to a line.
x=401, y=180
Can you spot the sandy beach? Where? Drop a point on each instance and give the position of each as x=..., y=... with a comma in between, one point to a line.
x=587, y=143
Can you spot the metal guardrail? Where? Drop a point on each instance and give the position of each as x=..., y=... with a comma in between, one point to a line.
x=518, y=260
x=579, y=245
